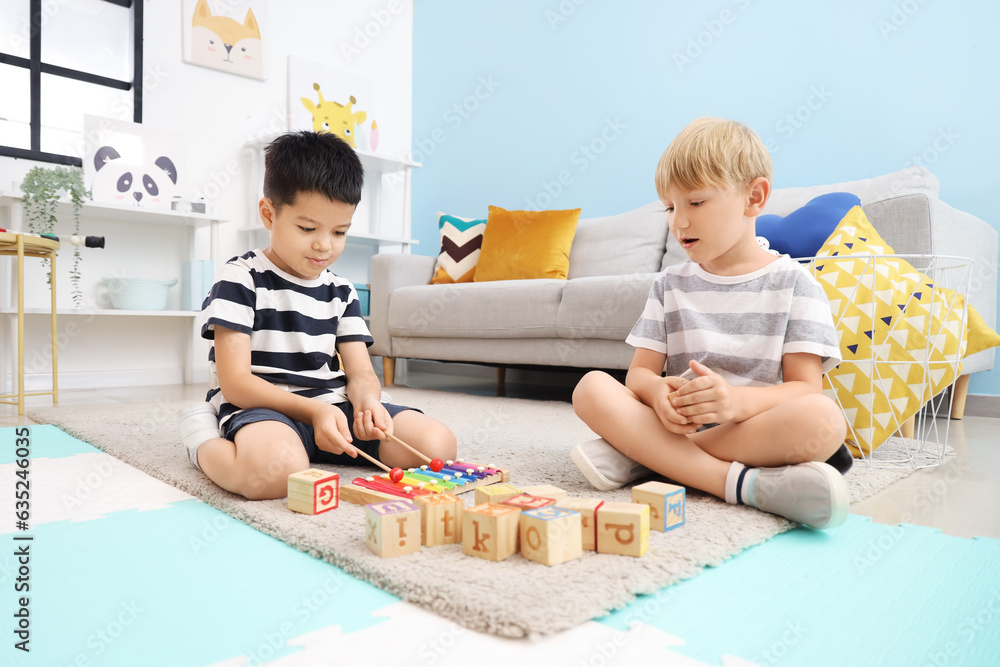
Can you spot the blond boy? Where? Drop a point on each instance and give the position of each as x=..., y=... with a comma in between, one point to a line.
x=724, y=390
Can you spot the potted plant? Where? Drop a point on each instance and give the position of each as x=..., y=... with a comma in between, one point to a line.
x=42, y=187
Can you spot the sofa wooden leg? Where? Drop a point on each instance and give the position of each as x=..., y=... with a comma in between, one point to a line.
x=501, y=380
x=388, y=371
x=961, y=389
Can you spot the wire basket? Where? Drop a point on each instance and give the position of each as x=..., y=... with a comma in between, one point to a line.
x=902, y=324
x=138, y=293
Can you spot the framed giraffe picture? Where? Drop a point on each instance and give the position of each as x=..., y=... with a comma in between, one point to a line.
x=227, y=35
x=325, y=99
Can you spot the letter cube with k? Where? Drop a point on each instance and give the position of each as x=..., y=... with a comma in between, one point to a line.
x=490, y=531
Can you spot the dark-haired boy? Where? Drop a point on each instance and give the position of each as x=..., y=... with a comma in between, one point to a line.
x=278, y=318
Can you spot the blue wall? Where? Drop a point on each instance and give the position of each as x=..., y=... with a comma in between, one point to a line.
x=570, y=104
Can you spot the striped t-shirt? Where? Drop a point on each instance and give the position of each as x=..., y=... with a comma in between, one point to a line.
x=738, y=326
x=294, y=325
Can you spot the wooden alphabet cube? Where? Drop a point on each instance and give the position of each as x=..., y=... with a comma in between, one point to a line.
x=392, y=528
x=545, y=491
x=587, y=508
x=529, y=502
x=440, y=518
x=496, y=493
x=623, y=528
x=666, y=504
x=550, y=535
x=313, y=491
x=490, y=531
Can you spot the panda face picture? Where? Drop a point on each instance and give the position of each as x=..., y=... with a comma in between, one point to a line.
x=120, y=181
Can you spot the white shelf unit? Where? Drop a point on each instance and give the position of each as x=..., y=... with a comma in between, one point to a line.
x=373, y=233
x=93, y=216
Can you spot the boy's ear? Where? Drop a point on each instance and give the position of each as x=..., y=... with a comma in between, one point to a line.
x=267, y=212
x=757, y=196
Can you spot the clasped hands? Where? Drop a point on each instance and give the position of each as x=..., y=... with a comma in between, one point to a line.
x=333, y=434
x=685, y=405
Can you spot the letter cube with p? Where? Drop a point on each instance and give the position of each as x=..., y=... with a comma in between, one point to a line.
x=623, y=528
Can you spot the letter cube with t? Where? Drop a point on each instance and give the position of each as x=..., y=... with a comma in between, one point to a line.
x=550, y=535
x=496, y=493
x=313, y=491
x=666, y=504
x=587, y=508
x=392, y=528
x=490, y=531
x=623, y=528
x=440, y=518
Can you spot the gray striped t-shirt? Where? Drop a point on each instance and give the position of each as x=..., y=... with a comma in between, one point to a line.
x=738, y=326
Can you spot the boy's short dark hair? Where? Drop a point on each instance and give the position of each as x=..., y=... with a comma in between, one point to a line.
x=307, y=161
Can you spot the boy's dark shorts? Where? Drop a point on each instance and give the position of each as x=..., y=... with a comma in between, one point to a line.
x=305, y=432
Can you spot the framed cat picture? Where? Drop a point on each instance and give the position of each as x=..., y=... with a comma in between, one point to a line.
x=225, y=35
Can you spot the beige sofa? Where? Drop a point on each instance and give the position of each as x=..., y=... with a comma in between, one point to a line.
x=582, y=322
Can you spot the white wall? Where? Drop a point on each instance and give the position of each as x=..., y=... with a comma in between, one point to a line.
x=217, y=114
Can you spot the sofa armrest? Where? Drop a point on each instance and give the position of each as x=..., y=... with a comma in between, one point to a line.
x=389, y=273
x=918, y=224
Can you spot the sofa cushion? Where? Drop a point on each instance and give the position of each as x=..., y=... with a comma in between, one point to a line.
x=461, y=239
x=500, y=309
x=526, y=244
x=619, y=245
x=604, y=307
x=912, y=180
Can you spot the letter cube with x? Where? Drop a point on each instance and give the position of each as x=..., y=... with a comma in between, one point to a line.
x=392, y=528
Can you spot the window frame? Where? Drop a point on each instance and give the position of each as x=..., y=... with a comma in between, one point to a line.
x=36, y=68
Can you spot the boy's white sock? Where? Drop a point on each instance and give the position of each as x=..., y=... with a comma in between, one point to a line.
x=739, y=482
x=198, y=424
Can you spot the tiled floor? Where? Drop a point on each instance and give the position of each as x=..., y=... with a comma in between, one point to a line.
x=960, y=497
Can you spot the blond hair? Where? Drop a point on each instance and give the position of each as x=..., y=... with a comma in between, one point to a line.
x=711, y=152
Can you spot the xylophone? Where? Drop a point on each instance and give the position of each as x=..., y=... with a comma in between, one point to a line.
x=454, y=477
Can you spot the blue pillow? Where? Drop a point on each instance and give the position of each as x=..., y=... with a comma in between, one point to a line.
x=803, y=232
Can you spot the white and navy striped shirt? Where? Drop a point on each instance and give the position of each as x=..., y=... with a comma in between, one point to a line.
x=294, y=326
x=738, y=326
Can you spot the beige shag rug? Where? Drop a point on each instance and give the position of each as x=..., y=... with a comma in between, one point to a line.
x=513, y=598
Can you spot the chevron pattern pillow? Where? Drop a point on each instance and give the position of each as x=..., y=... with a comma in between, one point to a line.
x=461, y=239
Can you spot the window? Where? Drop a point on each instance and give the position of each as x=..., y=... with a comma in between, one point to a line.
x=59, y=60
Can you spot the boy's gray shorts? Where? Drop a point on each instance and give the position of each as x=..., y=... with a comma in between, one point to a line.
x=305, y=432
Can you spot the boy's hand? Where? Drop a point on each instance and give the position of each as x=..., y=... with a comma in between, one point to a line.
x=672, y=420
x=707, y=399
x=372, y=421
x=331, y=430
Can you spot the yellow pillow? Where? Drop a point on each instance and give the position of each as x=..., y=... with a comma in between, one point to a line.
x=901, y=334
x=981, y=337
x=526, y=244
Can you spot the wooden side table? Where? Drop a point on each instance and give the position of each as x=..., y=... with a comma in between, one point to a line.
x=22, y=246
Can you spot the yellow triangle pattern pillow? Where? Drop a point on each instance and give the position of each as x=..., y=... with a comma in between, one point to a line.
x=901, y=335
